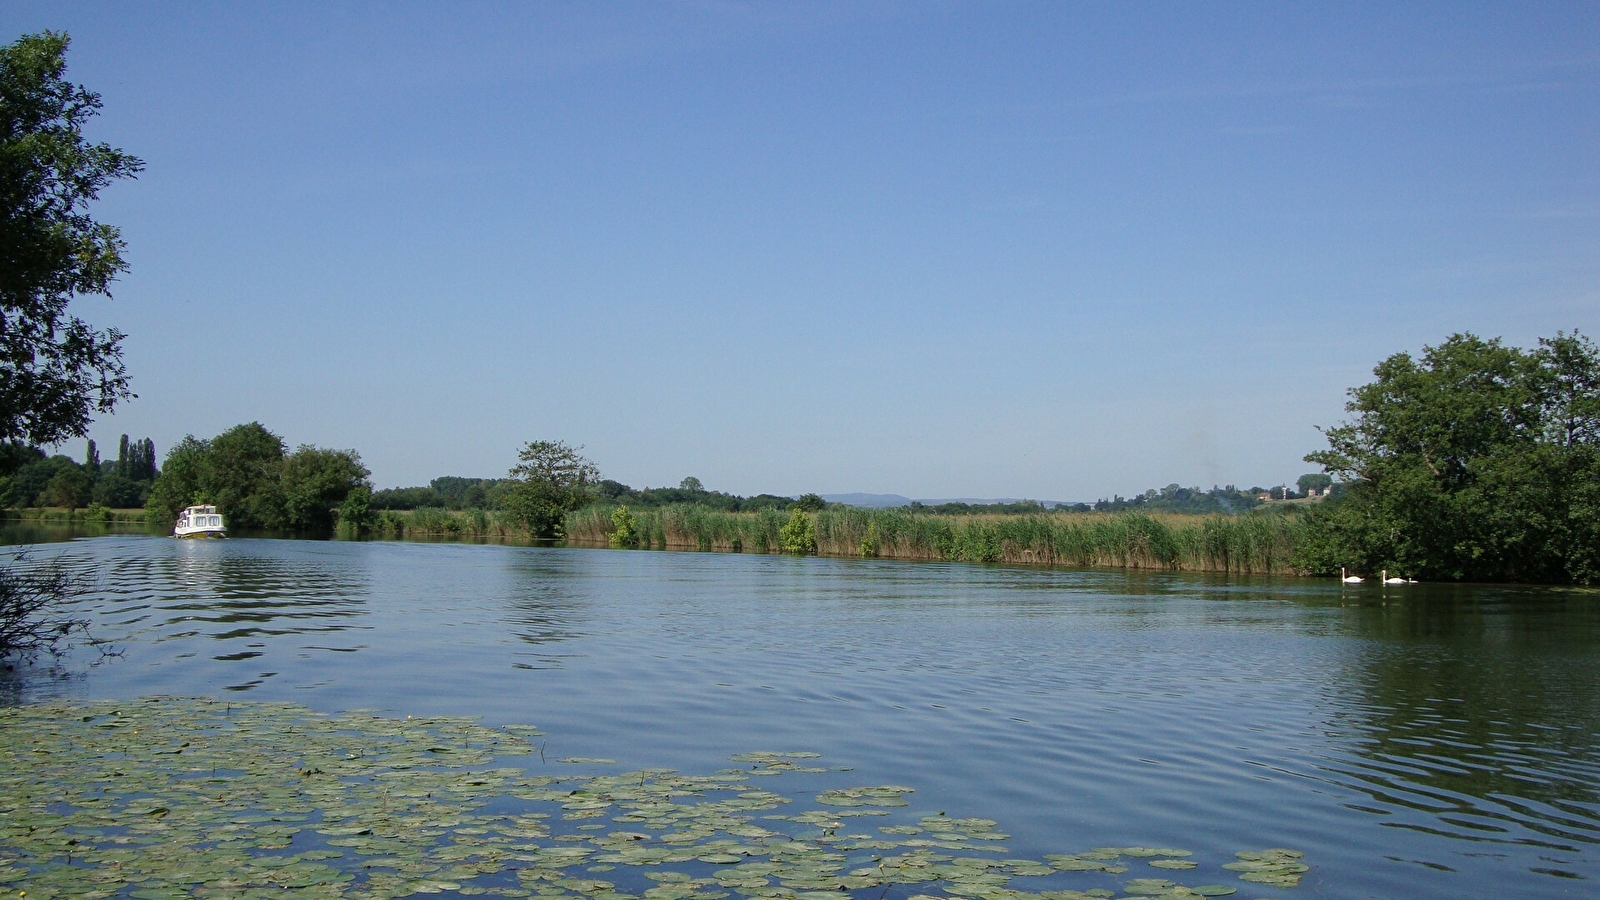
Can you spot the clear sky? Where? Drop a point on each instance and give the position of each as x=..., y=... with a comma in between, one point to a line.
x=1047, y=250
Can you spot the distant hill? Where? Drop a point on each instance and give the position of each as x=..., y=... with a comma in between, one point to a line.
x=869, y=501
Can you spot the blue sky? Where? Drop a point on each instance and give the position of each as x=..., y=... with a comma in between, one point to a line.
x=1044, y=250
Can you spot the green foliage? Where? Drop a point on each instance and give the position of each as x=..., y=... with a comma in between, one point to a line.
x=14, y=456
x=692, y=485
x=406, y=498
x=28, y=484
x=55, y=370
x=550, y=480
x=1477, y=462
x=119, y=492
x=869, y=541
x=355, y=513
x=315, y=483
x=1251, y=543
x=184, y=481
x=69, y=488
x=810, y=503
x=623, y=528
x=799, y=534
x=657, y=498
x=1175, y=498
x=1313, y=481
x=246, y=473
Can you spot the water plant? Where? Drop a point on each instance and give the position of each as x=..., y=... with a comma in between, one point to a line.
x=168, y=797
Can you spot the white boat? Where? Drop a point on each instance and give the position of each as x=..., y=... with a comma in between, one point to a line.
x=200, y=522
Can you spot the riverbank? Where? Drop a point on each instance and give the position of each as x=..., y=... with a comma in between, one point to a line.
x=90, y=515
x=1260, y=542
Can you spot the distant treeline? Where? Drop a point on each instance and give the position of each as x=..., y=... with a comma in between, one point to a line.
x=1217, y=501
x=447, y=492
x=453, y=492
x=257, y=482
x=39, y=480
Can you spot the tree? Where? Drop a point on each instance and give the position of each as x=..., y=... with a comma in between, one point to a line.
x=1478, y=461
x=1313, y=481
x=315, y=482
x=184, y=481
x=69, y=488
x=355, y=513
x=810, y=502
x=691, y=484
x=243, y=476
x=245, y=472
x=799, y=534
x=55, y=369
x=120, y=492
x=550, y=480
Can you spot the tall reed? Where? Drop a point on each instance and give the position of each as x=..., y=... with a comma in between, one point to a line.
x=1249, y=543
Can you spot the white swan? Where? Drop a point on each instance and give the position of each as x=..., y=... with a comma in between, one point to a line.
x=1349, y=579
x=1395, y=580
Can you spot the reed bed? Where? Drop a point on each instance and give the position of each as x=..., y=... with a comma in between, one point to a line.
x=1253, y=543
x=684, y=527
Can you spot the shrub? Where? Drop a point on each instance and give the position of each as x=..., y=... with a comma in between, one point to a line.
x=30, y=597
x=799, y=534
x=623, y=528
x=869, y=541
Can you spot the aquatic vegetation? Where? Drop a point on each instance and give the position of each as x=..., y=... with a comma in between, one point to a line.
x=166, y=797
x=1253, y=543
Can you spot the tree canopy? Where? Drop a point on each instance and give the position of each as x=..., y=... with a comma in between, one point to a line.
x=550, y=480
x=1477, y=461
x=56, y=370
x=248, y=473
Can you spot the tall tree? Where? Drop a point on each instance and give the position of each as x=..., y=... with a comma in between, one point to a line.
x=315, y=482
x=1477, y=461
x=56, y=370
x=550, y=480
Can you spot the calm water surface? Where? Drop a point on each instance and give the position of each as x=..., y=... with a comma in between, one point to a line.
x=1421, y=741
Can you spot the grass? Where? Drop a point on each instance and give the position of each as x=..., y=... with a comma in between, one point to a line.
x=1254, y=543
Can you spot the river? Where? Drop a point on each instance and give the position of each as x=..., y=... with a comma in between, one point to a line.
x=1413, y=741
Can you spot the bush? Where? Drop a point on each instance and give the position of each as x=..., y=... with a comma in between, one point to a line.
x=623, y=527
x=355, y=513
x=799, y=534
x=869, y=541
x=30, y=597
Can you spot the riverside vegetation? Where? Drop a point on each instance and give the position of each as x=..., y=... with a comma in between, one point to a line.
x=1476, y=462
x=1260, y=543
